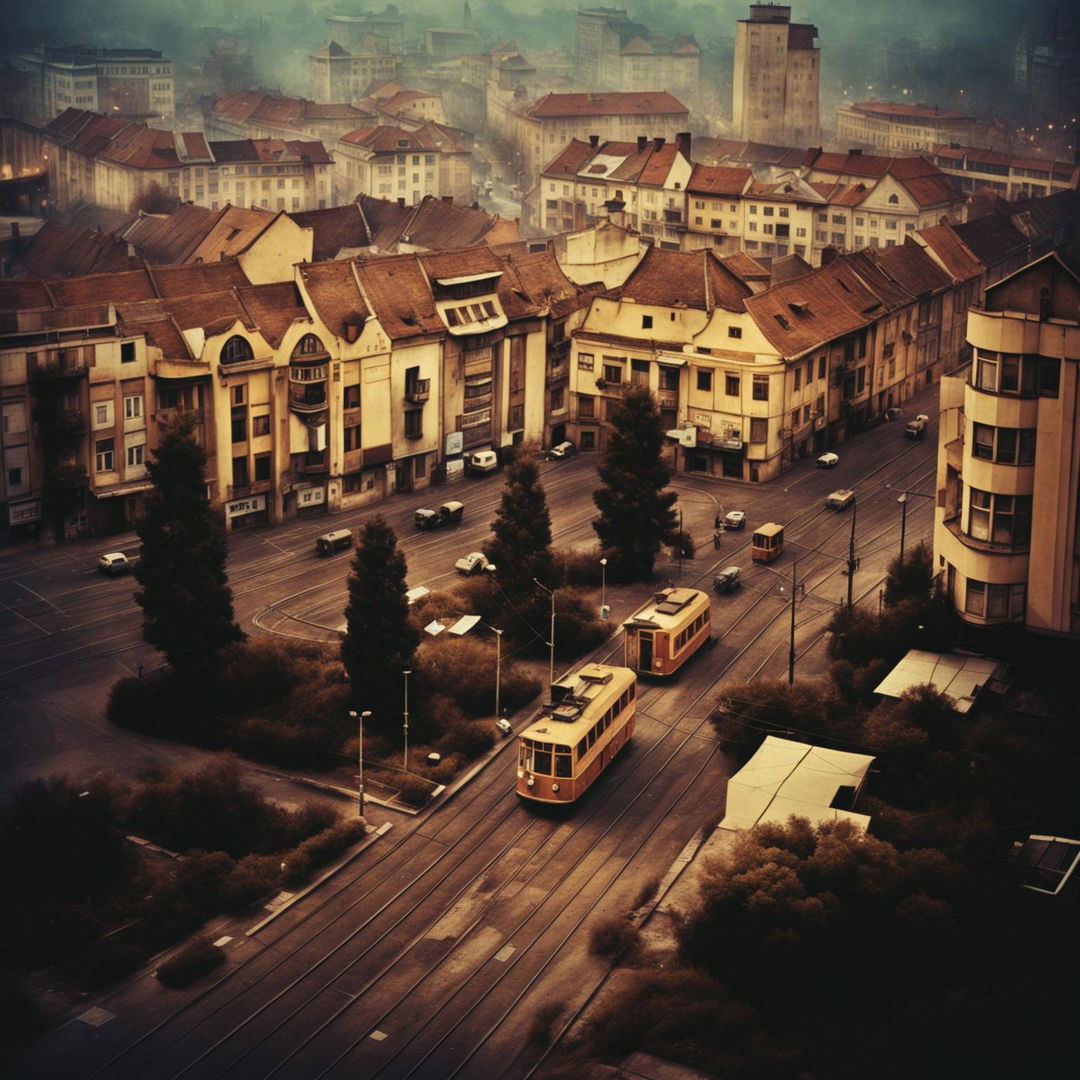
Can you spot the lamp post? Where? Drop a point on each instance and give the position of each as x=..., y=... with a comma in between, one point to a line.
x=551, y=642
x=498, y=667
x=603, y=589
x=366, y=715
x=797, y=592
x=903, y=501
x=405, y=719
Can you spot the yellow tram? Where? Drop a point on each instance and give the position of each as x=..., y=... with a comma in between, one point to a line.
x=578, y=733
x=661, y=636
x=767, y=543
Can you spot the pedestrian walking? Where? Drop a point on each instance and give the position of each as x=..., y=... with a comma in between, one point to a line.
x=717, y=536
x=716, y=520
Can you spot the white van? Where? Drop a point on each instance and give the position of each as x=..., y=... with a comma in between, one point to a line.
x=481, y=461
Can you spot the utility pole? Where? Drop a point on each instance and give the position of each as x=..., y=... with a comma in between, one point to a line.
x=791, y=650
x=903, y=501
x=852, y=562
x=405, y=718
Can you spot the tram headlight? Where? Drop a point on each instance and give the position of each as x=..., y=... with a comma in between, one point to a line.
x=531, y=781
x=555, y=787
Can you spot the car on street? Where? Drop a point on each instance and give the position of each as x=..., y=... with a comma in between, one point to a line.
x=481, y=461
x=447, y=514
x=828, y=460
x=917, y=427
x=840, y=499
x=113, y=563
x=735, y=519
x=727, y=580
x=563, y=450
x=472, y=563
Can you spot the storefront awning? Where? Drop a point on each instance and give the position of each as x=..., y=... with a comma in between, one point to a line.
x=123, y=489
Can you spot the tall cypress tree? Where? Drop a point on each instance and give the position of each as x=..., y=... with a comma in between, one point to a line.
x=184, y=592
x=379, y=641
x=636, y=515
x=521, y=543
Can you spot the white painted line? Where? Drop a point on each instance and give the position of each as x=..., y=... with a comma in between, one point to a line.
x=222, y=942
x=96, y=1017
x=378, y=1036
x=505, y=953
x=384, y=828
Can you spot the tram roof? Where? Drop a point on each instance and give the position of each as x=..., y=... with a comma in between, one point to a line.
x=771, y=529
x=564, y=721
x=668, y=608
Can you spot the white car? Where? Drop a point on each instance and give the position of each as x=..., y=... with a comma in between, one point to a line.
x=735, y=519
x=828, y=461
x=116, y=562
x=472, y=563
x=563, y=450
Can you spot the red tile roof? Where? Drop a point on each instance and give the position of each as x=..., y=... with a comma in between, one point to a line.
x=898, y=110
x=696, y=279
x=335, y=295
x=58, y=250
x=718, y=180
x=334, y=228
x=614, y=103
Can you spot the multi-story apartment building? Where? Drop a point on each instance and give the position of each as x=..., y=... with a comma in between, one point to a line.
x=775, y=87
x=398, y=105
x=614, y=52
x=893, y=127
x=644, y=181
x=391, y=162
x=339, y=74
x=136, y=84
x=96, y=159
x=352, y=380
x=537, y=131
x=1007, y=523
x=1012, y=176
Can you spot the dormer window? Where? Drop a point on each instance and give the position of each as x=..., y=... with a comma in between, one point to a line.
x=894, y=200
x=308, y=345
x=236, y=350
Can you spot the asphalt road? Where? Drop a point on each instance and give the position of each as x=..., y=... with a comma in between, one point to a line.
x=433, y=951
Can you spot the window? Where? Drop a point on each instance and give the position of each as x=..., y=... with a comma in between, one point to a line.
x=132, y=406
x=668, y=377
x=351, y=397
x=1010, y=373
x=104, y=449
x=308, y=345
x=995, y=601
x=414, y=423
x=704, y=380
x=262, y=467
x=646, y=322
x=1007, y=446
x=238, y=395
x=999, y=519
x=613, y=373
x=821, y=367
x=101, y=414
x=239, y=471
x=760, y=390
x=734, y=331
x=135, y=455
x=731, y=384
x=767, y=211
x=236, y=350
x=586, y=407
x=558, y=400
x=809, y=372
x=127, y=352
x=260, y=425
x=352, y=438
x=759, y=429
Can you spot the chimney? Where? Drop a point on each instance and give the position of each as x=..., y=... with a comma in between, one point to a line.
x=401, y=201
x=641, y=141
x=594, y=141
x=352, y=331
x=828, y=254
x=658, y=143
x=682, y=143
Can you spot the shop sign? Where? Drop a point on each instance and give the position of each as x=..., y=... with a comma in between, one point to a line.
x=252, y=505
x=311, y=496
x=23, y=513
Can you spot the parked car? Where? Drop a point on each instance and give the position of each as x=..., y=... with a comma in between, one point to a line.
x=828, y=461
x=482, y=461
x=472, y=563
x=727, y=580
x=335, y=541
x=735, y=519
x=916, y=429
x=563, y=450
x=116, y=562
x=447, y=514
x=840, y=499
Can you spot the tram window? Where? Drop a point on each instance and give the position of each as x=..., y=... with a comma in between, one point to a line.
x=592, y=736
x=581, y=748
x=563, y=766
x=542, y=761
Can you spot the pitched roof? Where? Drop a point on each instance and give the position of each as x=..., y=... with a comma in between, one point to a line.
x=234, y=231
x=694, y=279
x=718, y=180
x=957, y=258
x=335, y=294
x=399, y=295
x=334, y=228
x=389, y=139
x=58, y=250
x=991, y=239
x=433, y=224
x=900, y=111
x=170, y=238
x=613, y=103
x=274, y=307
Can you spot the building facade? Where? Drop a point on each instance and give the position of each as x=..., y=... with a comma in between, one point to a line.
x=775, y=88
x=1007, y=523
x=1011, y=176
x=339, y=74
x=893, y=127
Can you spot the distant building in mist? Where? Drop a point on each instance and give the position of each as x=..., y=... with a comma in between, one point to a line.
x=775, y=92
x=1046, y=68
x=891, y=126
x=133, y=83
x=337, y=73
x=350, y=30
x=614, y=53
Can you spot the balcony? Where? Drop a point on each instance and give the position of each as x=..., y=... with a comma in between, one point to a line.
x=307, y=397
x=417, y=391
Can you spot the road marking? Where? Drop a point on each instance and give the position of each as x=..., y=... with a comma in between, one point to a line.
x=505, y=953
x=378, y=1036
x=96, y=1017
x=222, y=941
x=37, y=595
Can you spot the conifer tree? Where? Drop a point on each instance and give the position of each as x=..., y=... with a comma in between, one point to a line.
x=521, y=543
x=379, y=641
x=184, y=592
x=636, y=515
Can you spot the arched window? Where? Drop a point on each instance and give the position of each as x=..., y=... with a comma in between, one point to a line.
x=893, y=200
x=308, y=345
x=235, y=350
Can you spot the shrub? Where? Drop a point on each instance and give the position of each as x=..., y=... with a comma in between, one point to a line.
x=414, y=791
x=251, y=878
x=190, y=963
x=683, y=543
x=468, y=738
x=330, y=843
x=579, y=567
x=613, y=936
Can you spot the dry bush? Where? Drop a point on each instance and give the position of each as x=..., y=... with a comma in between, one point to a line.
x=190, y=963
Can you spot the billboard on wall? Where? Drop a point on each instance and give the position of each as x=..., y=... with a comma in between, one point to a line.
x=23, y=513
x=251, y=505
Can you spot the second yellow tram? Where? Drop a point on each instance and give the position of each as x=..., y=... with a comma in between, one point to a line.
x=661, y=636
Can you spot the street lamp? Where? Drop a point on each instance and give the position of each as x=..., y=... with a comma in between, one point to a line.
x=405, y=718
x=551, y=641
x=797, y=593
x=498, y=664
x=603, y=589
x=852, y=562
x=903, y=501
x=366, y=715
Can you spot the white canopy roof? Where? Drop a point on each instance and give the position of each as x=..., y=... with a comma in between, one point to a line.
x=786, y=777
x=954, y=674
